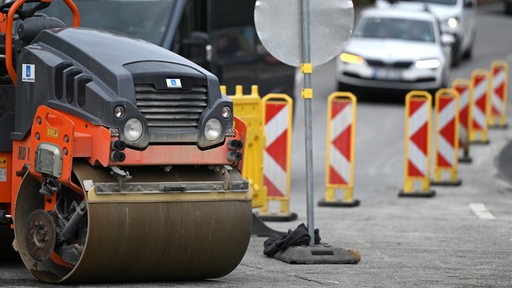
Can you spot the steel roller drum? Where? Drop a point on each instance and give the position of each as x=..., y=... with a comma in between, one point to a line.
x=278, y=24
x=145, y=237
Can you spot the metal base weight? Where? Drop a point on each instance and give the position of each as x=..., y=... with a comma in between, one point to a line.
x=417, y=194
x=317, y=254
x=278, y=217
x=339, y=203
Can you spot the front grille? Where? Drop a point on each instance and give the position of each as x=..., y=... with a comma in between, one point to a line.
x=375, y=63
x=171, y=108
x=380, y=63
x=419, y=80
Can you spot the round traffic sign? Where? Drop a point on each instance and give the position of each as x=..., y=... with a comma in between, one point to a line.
x=278, y=24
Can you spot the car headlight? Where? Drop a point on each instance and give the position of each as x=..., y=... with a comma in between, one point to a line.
x=133, y=129
x=212, y=129
x=351, y=58
x=452, y=22
x=428, y=64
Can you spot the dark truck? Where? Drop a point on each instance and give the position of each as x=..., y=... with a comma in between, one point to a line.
x=218, y=35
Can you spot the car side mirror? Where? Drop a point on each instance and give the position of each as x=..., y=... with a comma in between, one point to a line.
x=198, y=47
x=447, y=39
x=468, y=3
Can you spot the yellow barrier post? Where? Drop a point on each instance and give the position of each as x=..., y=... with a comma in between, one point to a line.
x=341, y=127
x=277, y=115
x=498, y=95
x=479, y=107
x=249, y=109
x=446, y=143
x=418, y=108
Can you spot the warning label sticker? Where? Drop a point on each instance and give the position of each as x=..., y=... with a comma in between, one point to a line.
x=3, y=169
x=28, y=72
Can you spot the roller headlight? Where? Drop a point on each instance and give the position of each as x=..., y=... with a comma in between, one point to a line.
x=226, y=112
x=212, y=129
x=119, y=112
x=133, y=129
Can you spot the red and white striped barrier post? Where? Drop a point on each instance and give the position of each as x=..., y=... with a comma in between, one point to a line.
x=341, y=125
x=277, y=116
x=446, y=143
x=499, y=81
x=463, y=87
x=418, y=109
x=479, y=106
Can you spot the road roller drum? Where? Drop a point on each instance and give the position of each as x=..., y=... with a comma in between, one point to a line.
x=133, y=236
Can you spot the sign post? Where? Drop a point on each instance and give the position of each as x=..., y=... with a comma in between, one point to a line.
x=277, y=24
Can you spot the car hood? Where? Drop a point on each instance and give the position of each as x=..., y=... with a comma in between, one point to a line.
x=389, y=50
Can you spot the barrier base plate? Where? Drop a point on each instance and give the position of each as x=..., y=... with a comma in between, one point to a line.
x=479, y=142
x=261, y=230
x=465, y=159
x=317, y=254
x=458, y=182
x=498, y=126
x=278, y=217
x=339, y=203
x=416, y=194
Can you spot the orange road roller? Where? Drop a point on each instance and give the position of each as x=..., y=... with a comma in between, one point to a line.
x=119, y=160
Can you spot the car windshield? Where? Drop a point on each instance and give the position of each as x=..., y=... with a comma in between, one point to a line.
x=442, y=2
x=395, y=28
x=145, y=19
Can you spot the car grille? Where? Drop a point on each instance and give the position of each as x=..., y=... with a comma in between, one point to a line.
x=171, y=108
x=419, y=80
x=380, y=63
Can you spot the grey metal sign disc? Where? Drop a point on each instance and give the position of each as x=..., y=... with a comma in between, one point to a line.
x=278, y=24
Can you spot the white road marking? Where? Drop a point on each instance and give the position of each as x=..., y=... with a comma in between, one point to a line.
x=481, y=211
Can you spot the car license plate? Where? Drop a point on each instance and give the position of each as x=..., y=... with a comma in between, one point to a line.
x=387, y=74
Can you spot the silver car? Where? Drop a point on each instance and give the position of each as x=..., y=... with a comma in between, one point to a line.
x=394, y=50
x=457, y=17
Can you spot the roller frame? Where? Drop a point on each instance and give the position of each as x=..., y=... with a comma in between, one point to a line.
x=206, y=209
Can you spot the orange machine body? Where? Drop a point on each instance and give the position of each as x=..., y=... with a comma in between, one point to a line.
x=77, y=138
